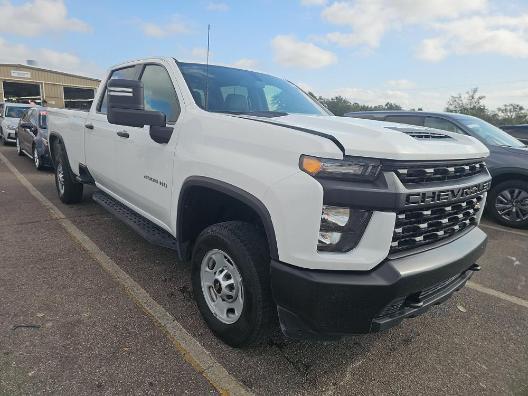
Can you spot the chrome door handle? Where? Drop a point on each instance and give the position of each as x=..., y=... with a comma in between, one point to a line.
x=123, y=134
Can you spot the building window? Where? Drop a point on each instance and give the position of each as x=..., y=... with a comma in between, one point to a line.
x=78, y=98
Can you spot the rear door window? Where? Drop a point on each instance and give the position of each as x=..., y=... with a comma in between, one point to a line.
x=405, y=119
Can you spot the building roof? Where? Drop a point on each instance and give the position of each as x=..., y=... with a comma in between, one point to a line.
x=48, y=70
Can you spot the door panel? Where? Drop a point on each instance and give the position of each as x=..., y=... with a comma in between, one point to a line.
x=100, y=139
x=145, y=167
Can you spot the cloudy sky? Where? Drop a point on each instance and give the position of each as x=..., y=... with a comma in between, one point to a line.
x=413, y=52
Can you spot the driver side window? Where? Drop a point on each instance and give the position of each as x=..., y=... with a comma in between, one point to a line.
x=159, y=92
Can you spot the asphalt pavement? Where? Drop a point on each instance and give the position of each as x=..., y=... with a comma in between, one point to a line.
x=67, y=327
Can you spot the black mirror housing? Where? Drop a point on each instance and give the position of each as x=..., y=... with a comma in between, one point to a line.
x=126, y=105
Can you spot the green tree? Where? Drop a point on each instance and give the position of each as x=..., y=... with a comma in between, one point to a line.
x=471, y=103
x=511, y=114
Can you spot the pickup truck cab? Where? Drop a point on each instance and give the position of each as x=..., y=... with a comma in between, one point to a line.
x=333, y=225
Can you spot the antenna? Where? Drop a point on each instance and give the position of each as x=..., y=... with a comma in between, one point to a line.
x=207, y=70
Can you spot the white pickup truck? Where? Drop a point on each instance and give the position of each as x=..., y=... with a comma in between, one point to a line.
x=332, y=225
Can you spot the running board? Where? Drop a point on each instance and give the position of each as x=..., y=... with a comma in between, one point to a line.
x=144, y=227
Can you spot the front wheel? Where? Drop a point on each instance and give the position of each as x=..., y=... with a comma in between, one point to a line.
x=70, y=191
x=508, y=203
x=36, y=159
x=231, y=285
x=18, y=147
x=3, y=138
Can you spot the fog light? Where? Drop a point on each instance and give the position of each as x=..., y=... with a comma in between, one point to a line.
x=329, y=238
x=341, y=228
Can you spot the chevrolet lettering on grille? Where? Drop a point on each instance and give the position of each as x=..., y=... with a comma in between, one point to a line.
x=443, y=196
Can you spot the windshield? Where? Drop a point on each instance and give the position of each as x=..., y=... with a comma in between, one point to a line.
x=488, y=133
x=15, y=112
x=245, y=92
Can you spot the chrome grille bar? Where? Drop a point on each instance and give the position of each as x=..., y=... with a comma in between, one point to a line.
x=415, y=228
x=424, y=174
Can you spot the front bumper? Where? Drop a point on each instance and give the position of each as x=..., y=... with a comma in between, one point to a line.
x=328, y=304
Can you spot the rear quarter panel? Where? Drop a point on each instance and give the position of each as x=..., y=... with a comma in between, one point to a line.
x=69, y=126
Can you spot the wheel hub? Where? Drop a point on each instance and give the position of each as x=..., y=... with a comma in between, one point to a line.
x=222, y=286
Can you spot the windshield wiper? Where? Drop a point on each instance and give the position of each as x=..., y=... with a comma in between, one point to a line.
x=268, y=114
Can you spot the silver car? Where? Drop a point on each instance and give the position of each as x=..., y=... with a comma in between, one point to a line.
x=10, y=114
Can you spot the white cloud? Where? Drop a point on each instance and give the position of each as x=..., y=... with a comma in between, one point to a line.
x=400, y=84
x=56, y=60
x=37, y=17
x=246, y=63
x=313, y=2
x=158, y=30
x=217, y=7
x=200, y=54
x=291, y=52
x=370, y=20
x=478, y=35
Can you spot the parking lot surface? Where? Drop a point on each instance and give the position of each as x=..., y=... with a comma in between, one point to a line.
x=83, y=334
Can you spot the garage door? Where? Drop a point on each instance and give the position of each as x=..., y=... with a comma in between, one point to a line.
x=18, y=92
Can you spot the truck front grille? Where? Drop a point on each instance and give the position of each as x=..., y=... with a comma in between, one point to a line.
x=423, y=173
x=416, y=228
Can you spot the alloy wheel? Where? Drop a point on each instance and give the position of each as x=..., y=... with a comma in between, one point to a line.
x=512, y=204
x=36, y=158
x=60, y=178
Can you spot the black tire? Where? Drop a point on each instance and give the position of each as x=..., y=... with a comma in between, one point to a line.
x=497, y=203
x=4, y=140
x=36, y=159
x=19, y=148
x=248, y=250
x=70, y=191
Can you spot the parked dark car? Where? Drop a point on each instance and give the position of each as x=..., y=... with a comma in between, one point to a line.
x=507, y=200
x=32, y=136
x=518, y=131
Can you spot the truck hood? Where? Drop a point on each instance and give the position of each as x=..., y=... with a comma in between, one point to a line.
x=387, y=140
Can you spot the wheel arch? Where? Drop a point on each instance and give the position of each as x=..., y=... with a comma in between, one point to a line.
x=233, y=195
x=507, y=174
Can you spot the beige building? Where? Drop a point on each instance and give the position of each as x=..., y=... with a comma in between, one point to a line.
x=26, y=83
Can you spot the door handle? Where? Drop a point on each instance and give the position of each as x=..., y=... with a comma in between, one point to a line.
x=89, y=126
x=123, y=134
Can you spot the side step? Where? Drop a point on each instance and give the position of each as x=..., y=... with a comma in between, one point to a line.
x=144, y=227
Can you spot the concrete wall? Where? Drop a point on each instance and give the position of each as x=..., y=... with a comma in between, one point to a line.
x=51, y=82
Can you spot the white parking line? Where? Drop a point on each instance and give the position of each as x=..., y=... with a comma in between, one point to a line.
x=504, y=229
x=191, y=350
x=498, y=294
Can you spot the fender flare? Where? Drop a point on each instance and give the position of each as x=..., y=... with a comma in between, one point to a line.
x=236, y=193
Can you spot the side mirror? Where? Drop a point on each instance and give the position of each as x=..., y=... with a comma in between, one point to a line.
x=29, y=126
x=126, y=107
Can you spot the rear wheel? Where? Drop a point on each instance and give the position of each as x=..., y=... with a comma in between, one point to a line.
x=508, y=203
x=70, y=190
x=231, y=284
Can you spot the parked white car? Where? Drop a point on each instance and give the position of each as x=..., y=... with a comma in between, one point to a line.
x=337, y=225
x=10, y=114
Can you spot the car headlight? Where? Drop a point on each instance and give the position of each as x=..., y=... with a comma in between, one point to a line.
x=341, y=228
x=11, y=127
x=353, y=168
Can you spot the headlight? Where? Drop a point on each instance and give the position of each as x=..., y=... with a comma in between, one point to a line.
x=12, y=127
x=354, y=168
x=341, y=228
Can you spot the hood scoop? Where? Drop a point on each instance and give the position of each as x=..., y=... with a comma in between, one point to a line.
x=420, y=134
